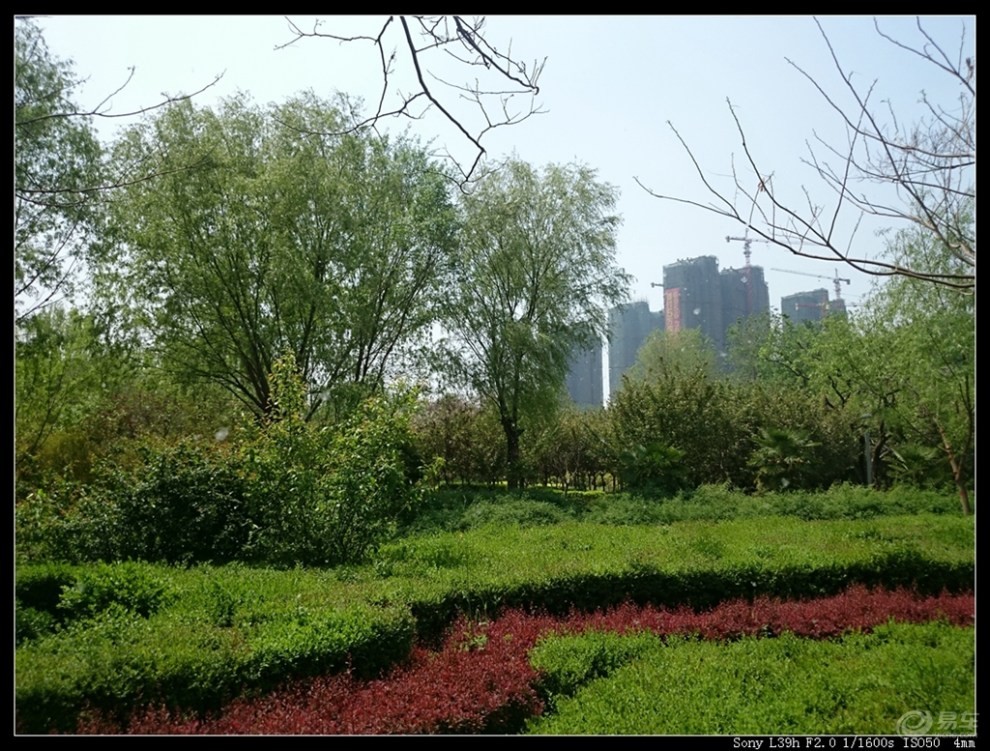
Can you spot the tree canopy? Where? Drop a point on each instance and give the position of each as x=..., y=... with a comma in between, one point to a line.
x=280, y=238
x=56, y=168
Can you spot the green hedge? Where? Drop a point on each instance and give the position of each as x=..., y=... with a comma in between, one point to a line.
x=860, y=684
x=221, y=637
x=223, y=630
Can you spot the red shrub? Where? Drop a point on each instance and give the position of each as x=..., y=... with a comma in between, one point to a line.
x=481, y=680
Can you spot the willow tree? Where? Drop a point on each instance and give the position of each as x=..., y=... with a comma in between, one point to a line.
x=283, y=236
x=534, y=276
x=56, y=166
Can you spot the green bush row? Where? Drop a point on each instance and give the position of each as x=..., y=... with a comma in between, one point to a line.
x=585, y=565
x=117, y=660
x=859, y=684
x=196, y=636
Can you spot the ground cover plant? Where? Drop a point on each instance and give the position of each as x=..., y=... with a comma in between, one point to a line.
x=454, y=508
x=496, y=675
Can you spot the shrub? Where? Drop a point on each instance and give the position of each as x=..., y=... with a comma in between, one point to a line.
x=520, y=511
x=653, y=469
x=291, y=493
x=330, y=495
x=40, y=586
x=186, y=503
x=32, y=623
x=99, y=588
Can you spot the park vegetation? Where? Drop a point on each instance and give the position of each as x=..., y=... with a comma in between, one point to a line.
x=306, y=435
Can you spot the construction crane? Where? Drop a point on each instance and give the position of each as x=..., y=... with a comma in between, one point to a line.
x=748, y=279
x=835, y=280
x=746, y=241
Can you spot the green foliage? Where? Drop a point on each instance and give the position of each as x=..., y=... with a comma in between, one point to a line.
x=465, y=435
x=860, y=684
x=31, y=623
x=280, y=236
x=718, y=423
x=567, y=662
x=56, y=173
x=575, y=449
x=61, y=377
x=40, y=586
x=519, y=511
x=134, y=587
x=687, y=351
x=187, y=503
x=232, y=628
x=328, y=495
x=289, y=492
x=926, y=337
x=535, y=266
x=781, y=459
x=654, y=469
x=118, y=661
x=685, y=411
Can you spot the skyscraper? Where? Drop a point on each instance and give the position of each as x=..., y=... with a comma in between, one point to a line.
x=744, y=293
x=584, y=379
x=692, y=298
x=629, y=325
x=698, y=296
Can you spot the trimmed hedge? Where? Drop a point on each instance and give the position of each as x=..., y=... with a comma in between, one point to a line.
x=232, y=629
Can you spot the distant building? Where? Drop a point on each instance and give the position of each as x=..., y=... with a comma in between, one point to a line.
x=629, y=325
x=806, y=306
x=692, y=298
x=744, y=293
x=699, y=296
x=584, y=379
x=837, y=307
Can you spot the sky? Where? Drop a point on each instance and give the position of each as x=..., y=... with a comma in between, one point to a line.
x=610, y=90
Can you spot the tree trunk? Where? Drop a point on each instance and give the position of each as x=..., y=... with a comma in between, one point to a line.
x=960, y=479
x=514, y=469
x=956, y=465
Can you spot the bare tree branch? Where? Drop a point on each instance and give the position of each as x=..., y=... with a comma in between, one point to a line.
x=466, y=43
x=97, y=111
x=922, y=176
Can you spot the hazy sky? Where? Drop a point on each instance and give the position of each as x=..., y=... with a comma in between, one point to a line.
x=609, y=88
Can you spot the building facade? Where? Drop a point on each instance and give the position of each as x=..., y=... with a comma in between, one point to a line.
x=699, y=296
x=805, y=306
x=629, y=326
x=584, y=379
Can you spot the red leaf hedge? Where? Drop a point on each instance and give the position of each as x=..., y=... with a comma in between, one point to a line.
x=480, y=680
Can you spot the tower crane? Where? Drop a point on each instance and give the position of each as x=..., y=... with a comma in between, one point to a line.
x=746, y=241
x=748, y=279
x=835, y=280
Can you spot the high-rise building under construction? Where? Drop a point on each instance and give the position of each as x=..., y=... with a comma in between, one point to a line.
x=697, y=296
x=805, y=306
